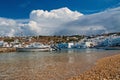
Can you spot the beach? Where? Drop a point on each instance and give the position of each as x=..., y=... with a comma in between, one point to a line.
x=64, y=65
x=107, y=68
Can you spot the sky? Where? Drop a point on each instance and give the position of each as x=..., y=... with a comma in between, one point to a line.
x=58, y=17
x=21, y=8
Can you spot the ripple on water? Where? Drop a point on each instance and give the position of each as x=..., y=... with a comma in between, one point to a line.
x=48, y=65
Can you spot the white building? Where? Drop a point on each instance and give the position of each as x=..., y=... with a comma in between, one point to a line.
x=70, y=45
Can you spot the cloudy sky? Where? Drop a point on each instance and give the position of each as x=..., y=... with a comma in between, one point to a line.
x=59, y=17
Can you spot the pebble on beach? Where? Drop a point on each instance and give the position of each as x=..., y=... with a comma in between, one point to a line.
x=62, y=67
x=107, y=68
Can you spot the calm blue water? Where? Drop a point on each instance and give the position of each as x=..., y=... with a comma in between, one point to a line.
x=56, y=65
x=65, y=52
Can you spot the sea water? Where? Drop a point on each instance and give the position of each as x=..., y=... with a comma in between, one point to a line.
x=55, y=65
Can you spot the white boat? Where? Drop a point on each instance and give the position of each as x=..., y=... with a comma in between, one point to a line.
x=34, y=47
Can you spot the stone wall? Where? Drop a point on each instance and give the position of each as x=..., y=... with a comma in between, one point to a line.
x=4, y=49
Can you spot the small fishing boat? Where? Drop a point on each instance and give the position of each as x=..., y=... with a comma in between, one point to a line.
x=33, y=47
x=112, y=48
x=108, y=48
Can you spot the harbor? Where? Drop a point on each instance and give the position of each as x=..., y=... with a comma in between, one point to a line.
x=58, y=57
x=56, y=43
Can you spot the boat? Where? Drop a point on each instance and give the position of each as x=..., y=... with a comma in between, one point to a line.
x=33, y=47
x=108, y=48
x=112, y=48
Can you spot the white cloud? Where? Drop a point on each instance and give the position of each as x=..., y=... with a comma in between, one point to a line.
x=7, y=27
x=106, y=21
x=62, y=21
x=48, y=23
x=63, y=14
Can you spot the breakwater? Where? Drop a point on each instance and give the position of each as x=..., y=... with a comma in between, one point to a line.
x=5, y=49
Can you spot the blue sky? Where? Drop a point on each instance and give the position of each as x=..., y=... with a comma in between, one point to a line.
x=20, y=9
x=59, y=17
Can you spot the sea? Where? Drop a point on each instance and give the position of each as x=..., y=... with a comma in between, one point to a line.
x=53, y=65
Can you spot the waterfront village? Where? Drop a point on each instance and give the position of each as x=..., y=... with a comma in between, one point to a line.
x=110, y=41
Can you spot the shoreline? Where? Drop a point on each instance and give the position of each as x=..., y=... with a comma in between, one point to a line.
x=5, y=49
x=107, y=68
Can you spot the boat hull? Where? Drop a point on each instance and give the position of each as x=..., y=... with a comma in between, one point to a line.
x=112, y=48
x=109, y=48
x=32, y=49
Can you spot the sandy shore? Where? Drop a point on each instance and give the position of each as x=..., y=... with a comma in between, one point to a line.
x=107, y=68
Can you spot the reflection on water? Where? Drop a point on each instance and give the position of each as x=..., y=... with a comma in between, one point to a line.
x=58, y=65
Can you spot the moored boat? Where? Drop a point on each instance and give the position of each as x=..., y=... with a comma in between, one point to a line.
x=34, y=47
x=112, y=48
x=109, y=48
